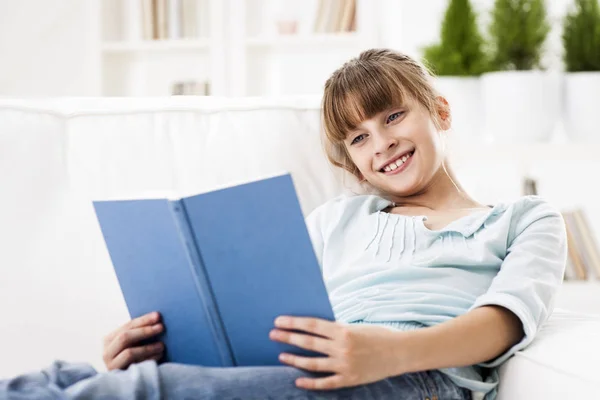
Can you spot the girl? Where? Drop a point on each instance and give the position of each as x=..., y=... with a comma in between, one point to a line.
x=432, y=291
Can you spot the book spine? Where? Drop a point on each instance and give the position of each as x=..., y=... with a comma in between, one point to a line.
x=133, y=20
x=589, y=239
x=147, y=19
x=573, y=249
x=174, y=19
x=202, y=284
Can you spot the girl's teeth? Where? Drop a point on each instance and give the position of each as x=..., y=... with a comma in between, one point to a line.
x=397, y=164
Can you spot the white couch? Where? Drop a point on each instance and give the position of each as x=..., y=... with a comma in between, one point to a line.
x=58, y=293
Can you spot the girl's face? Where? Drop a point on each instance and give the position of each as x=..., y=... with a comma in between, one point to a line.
x=398, y=151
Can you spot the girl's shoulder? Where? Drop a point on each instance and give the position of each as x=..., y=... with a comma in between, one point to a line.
x=534, y=210
x=532, y=207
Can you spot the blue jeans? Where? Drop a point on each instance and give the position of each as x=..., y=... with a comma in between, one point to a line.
x=148, y=380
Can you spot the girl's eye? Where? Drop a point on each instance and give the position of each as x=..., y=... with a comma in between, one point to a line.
x=394, y=116
x=357, y=139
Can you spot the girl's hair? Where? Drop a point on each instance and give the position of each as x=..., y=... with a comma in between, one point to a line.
x=377, y=80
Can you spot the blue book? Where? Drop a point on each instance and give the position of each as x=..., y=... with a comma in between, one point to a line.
x=219, y=267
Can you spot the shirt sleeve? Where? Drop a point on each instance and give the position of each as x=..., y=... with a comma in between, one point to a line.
x=314, y=224
x=531, y=272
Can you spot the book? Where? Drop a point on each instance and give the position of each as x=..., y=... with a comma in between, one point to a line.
x=174, y=19
x=589, y=241
x=219, y=267
x=147, y=19
x=574, y=250
x=349, y=14
x=162, y=30
x=190, y=11
x=134, y=15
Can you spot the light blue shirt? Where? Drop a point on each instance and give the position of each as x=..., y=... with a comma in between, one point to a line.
x=392, y=270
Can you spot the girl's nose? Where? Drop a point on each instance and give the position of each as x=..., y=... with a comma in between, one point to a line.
x=384, y=144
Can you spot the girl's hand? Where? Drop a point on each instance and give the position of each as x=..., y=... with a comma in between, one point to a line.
x=120, y=348
x=357, y=354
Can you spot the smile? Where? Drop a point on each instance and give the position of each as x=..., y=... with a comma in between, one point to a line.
x=398, y=165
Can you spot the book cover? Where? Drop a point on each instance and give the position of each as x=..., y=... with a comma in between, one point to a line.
x=155, y=273
x=220, y=267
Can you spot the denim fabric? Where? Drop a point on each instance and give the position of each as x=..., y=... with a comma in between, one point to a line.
x=148, y=380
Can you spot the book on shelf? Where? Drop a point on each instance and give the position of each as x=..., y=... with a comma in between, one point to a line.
x=529, y=186
x=335, y=16
x=191, y=88
x=583, y=256
x=575, y=268
x=166, y=19
x=219, y=267
x=584, y=253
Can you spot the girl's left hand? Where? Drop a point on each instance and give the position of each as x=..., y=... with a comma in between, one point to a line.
x=357, y=354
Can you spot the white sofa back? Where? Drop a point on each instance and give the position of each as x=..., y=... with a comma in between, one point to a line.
x=58, y=293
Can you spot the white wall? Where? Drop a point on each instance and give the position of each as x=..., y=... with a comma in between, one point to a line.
x=47, y=48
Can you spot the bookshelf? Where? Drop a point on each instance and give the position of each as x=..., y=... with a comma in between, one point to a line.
x=146, y=46
x=153, y=47
x=156, y=46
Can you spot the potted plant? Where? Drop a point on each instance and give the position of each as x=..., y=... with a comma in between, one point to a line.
x=457, y=61
x=520, y=100
x=581, y=42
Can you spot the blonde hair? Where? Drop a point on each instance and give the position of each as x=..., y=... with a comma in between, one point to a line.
x=375, y=81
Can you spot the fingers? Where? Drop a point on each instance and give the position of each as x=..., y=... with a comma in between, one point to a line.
x=315, y=364
x=145, y=320
x=137, y=354
x=127, y=338
x=316, y=326
x=308, y=342
x=329, y=383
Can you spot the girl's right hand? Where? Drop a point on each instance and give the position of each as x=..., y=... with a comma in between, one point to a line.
x=120, y=350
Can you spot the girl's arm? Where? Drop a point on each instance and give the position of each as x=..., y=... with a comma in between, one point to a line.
x=506, y=318
x=476, y=337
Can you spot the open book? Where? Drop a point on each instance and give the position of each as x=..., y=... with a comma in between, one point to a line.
x=219, y=267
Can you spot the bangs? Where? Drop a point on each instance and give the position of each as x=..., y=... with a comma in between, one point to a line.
x=357, y=96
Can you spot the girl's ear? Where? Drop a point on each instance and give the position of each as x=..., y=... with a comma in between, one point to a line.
x=443, y=109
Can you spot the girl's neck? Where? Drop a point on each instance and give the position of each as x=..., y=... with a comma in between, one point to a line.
x=444, y=192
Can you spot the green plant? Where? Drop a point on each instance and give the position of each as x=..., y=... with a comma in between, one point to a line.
x=518, y=31
x=460, y=51
x=581, y=37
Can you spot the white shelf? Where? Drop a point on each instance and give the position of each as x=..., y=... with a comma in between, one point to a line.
x=316, y=40
x=156, y=46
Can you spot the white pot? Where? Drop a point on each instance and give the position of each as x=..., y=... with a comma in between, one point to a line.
x=582, y=97
x=464, y=96
x=520, y=106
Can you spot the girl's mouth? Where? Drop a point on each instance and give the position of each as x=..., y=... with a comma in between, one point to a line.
x=399, y=165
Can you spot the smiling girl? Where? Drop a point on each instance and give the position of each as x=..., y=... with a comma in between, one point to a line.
x=432, y=290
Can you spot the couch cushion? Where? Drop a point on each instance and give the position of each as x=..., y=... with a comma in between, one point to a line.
x=561, y=363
